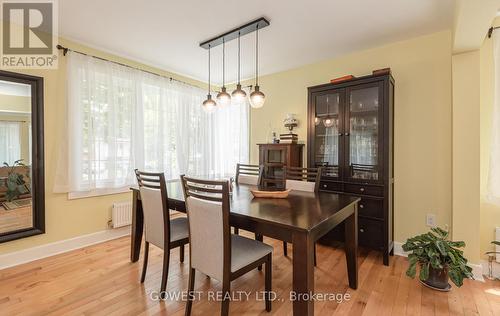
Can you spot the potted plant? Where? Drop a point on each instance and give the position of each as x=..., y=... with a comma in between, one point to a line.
x=439, y=259
x=15, y=183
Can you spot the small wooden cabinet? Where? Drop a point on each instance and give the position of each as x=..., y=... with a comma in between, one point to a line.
x=350, y=135
x=276, y=156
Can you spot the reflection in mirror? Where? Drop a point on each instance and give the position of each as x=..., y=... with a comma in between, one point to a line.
x=16, y=211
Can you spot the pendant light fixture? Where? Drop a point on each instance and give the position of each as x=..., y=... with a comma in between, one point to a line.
x=209, y=104
x=257, y=98
x=239, y=95
x=223, y=98
x=328, y=121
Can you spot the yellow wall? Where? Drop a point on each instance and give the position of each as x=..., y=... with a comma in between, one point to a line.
x=490, y=213
x=465, y=174
x=68, y=218
x=422, y=70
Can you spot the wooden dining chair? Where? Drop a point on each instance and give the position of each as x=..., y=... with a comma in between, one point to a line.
x=213, y=250
x=247, y=174
x=160, y=230
x=302, y=179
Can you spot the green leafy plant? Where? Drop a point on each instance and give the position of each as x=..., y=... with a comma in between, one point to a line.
x=434, y=249
x=15, y=183
x=494, y=242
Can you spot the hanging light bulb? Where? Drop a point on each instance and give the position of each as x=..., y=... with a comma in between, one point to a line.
x=317, y=121
x=239, y=95
x=223, y=98
x=209, y=105
x=257, y=98
x=328, y=122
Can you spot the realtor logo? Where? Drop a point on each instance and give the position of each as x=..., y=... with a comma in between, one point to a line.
x=29, y=34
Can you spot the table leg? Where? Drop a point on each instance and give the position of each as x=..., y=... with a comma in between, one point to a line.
x=303, y=274
x=351, y=248
x=137, y=227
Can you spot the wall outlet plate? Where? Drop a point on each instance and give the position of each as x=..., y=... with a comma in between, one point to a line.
x=430, y=220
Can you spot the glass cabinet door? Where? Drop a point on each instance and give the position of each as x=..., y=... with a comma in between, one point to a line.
x=327, y=135
x=363, y=133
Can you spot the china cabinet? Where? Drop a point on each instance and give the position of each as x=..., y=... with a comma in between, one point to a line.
x=350, y=135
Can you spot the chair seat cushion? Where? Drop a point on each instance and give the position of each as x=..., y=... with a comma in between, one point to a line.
x=245, y=251
x=178, y=229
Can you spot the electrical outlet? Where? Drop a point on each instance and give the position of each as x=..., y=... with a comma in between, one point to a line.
x=430, y=220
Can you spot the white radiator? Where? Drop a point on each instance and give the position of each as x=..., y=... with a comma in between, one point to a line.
x=121, y=214
x=497, y=248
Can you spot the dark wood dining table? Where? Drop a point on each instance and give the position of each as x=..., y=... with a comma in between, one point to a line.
x=300, y=219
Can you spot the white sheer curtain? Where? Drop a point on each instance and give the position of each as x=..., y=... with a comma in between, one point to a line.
x=10, y=142
x=494, y=169
x=120, y=118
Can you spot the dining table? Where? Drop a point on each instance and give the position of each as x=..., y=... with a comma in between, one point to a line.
x=301, y=219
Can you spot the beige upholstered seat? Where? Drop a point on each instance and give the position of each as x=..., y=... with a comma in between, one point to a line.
x=248, y=179
x=247, y=174
x=298, y=185
x=245, y=250
x=214, y=251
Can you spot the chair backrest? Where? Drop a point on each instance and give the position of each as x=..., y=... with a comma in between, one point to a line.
x=154, y=200
x=248, y=174
x=303, y=179
x=207, y=204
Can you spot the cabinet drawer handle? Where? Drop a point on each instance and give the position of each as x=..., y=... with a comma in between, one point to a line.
x=361, y=206
x=362, y=189
x=346, y=134
x=340, y=134
x=361, y=230
x=325, y=186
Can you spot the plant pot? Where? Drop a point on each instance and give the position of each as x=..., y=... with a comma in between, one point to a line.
x=438, y=279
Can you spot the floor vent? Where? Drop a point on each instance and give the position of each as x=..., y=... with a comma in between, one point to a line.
x=121, y=214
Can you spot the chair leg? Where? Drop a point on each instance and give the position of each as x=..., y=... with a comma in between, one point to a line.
x=189, y=303
x=226, y=291
x=269, y=277
x=314, y=254
x=259, y=238
x=164, y=275
x=285, y=248
x=145, y=262
x=236, y=231
x=181, y=253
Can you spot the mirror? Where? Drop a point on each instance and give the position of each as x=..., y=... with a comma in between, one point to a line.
x=22, y=206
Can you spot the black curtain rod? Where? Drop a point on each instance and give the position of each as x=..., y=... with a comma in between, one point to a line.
x=66, y=50
x=491, y=29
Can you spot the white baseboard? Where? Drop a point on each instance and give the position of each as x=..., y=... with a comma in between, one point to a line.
x=477, y=269
x=27, y=255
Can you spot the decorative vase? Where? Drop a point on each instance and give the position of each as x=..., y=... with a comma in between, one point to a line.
x=438, y=279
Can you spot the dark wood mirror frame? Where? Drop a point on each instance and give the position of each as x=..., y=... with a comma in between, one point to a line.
x=37, y=160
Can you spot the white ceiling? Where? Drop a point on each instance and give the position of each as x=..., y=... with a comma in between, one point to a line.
x=166, y=33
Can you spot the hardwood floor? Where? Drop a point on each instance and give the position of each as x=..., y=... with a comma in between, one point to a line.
x=11, y=220
x=100, y=280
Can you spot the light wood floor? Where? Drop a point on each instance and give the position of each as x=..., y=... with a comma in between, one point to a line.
x=100, y=280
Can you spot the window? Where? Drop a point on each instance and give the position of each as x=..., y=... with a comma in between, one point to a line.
x=10, y=140
x=493, y=193
x=120, y=119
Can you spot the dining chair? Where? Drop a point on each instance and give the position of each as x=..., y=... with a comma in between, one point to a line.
x=213, y=250
x=160, y=230
x=247, y=174
x=302, y=179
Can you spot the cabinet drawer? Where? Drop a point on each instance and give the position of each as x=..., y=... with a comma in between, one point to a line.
x=370, y=233
x=371, y=208
x=364, y=189
x=330, y=186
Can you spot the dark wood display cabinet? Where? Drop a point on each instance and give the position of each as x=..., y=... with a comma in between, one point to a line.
x=350, y=135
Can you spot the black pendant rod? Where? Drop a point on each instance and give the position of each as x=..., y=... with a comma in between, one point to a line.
x=234, y=33
x=66, y=50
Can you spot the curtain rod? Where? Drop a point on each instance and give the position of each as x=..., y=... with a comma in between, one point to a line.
x=66, y=50
x=13, y=121
x=491, y=29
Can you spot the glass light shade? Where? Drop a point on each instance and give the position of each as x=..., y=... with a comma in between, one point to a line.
x=257, y=98
x=239, y=95
x=209, y=105
x=317, y=120
x=328, y=122
x=223, y=98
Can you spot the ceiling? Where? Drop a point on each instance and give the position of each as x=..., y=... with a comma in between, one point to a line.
x=166, y=34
